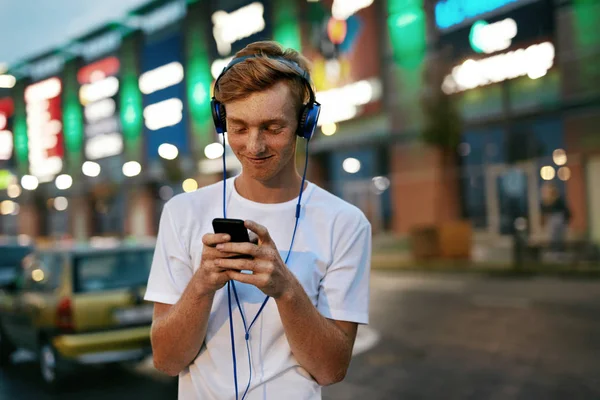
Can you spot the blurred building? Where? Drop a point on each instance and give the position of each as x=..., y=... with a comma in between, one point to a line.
x=96, y=136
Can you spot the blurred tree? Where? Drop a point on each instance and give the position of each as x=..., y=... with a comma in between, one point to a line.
x=442, y=129
x=443, y=124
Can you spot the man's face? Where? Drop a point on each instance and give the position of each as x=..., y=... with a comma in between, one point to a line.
x=262, y=132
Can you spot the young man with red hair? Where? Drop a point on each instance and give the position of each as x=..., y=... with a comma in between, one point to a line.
x=303, y=337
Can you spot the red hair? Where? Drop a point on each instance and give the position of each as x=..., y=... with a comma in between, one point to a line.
x=262, y=72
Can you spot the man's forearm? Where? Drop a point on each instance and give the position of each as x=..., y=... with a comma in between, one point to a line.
x=320, y=346
x=178, y=335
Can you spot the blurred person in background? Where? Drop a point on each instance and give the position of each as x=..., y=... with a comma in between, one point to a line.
x=303, y=338
x=556, y=217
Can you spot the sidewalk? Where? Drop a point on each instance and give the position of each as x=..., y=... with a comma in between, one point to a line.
x=390, y=253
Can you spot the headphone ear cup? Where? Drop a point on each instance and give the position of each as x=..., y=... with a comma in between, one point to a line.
x=308, y=120
x=218, y=115
x=302, y=122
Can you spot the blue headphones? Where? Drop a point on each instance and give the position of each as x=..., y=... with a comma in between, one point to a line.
x=310, y=111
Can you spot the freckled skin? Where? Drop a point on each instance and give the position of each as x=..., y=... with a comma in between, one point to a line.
x=263, y=126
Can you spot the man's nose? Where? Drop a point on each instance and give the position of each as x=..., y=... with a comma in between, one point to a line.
x=256, y=142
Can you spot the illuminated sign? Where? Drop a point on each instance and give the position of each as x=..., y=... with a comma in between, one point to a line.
x=453, y=12
x=6, y=145
x=218, y=65
x=44, y=128
x=99, y=87
x=534, y=62
x=343, y=103
x=489, y=38
x=228, y=28
x=342, y=9
x=6, y=136
x=162, y=84
x=167, y=112
x=161, y=77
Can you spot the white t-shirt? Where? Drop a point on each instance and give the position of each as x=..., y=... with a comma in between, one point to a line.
x=330, y=257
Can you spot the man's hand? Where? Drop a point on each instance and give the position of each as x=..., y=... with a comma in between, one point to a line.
x=209, y=277
x=269, y=273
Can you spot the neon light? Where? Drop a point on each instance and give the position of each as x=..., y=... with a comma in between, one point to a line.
x=337, y=30
x=533, y=61
x=230, y=27
x=105, y=126
x=100, y=110
x=38, y=92
x=44, y=128
x=105, y=145
x=102, y=89
x=218, y=65
x=7, y=106
x=342, y=9
x=108, y=66
x=452, y=12
x=161, y=77
x=343, y=103
x=489, y=38
x=164, y=113
x=6, y=145
x=7, y=81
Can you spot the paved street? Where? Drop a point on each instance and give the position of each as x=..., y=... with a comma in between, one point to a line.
x=469, y=337
x=432, y=337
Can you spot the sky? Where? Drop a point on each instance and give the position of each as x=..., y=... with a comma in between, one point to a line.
x=32, y=27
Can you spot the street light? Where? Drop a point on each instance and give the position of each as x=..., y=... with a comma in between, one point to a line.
x=132, y=168
x=168, y=151
x=63, y=182
x=91, y=169
x=29, y=182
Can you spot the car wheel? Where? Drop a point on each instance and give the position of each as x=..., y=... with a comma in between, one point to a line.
x=6, y=349
x=49, y=366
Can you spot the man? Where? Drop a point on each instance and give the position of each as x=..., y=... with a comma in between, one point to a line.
x=303, y=337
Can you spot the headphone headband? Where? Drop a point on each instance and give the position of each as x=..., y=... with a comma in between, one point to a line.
x=290, y=63
x=310, y=111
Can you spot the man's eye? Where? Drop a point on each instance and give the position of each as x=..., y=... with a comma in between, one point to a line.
x=275, y=128
x=238, y=129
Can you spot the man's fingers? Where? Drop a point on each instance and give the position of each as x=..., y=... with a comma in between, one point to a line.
x=239, y=248
x=213, y=239
x=244, y=278
x=238, y=264
x=261, y=231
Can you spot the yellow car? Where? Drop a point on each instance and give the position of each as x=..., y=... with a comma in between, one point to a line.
x=78, y=306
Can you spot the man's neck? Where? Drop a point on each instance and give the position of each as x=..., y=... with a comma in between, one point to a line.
x=277, y=190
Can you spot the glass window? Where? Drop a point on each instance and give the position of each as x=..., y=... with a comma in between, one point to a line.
x=42, y=272
x=112, y=270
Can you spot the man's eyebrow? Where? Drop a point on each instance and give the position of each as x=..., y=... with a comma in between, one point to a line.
x=265, y=122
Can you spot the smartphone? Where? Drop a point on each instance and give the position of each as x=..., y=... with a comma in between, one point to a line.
x=233, y=227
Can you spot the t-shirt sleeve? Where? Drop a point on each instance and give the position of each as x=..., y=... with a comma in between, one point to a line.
x=171, y=268
x=344, y=290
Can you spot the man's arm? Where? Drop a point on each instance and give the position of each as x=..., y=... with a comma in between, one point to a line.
x=322, y=346
x=178, y=330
